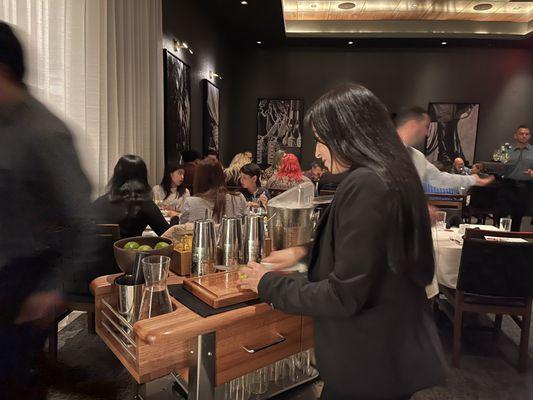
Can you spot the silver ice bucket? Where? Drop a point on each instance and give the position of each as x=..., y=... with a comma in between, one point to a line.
x=290, y=217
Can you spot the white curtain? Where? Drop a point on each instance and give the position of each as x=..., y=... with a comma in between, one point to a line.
x=98, y=65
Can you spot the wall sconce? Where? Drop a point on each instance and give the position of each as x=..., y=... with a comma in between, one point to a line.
x=213, y=75
x=182, y=45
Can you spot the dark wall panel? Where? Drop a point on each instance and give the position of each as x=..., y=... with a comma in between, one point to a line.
x=500, y=79
x=188, y=21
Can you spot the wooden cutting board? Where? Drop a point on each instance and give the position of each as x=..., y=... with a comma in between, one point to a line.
x=219, y=290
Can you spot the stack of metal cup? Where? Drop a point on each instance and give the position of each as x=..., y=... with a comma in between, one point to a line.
x=254, y=238
x=203, y=248
x=229, y=246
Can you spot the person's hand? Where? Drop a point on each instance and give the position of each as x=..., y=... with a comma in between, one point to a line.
x=285, y=258
x=263, y=200
x=253, y=204
x=172, y=213
x=250, y=276
x=484, y=181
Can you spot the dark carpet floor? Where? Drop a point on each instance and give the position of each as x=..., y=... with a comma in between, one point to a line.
x=89, y=371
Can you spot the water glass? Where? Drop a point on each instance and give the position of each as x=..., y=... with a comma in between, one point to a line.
x=238, y=388
x=259, y=381
x=505, y=224
x=440, y=221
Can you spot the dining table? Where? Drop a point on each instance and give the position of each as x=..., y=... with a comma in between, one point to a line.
x=448, y=245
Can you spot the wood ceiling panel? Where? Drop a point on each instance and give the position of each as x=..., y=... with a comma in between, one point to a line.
x=502, y=11
x=380, y=6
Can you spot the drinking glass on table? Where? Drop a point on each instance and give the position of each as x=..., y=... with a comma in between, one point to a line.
x=505, y=224
x=440, y=220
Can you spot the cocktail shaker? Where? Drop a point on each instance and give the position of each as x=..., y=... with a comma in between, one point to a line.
x=203, y=247
x=254, y=238
x=229, y=246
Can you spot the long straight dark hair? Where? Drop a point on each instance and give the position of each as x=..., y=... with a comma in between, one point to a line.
x=129, y=180
x=210, y=184
x=166, y=182
x=356, y=128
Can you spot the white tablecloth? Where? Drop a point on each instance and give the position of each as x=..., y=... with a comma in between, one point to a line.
x=149, y=232
x=448, y=254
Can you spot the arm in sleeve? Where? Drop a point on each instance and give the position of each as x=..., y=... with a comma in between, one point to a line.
x=157, y=222
x=360, y=229
x=186, y=211
x=243, y=205
x=443, y=179
x=430, y=174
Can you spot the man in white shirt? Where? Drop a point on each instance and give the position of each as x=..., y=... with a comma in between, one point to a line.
x=412, y=126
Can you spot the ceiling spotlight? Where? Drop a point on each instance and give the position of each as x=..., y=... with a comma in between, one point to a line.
x=259, y=42
x=444, y=43
x=244, y=2
x=414, y=5
x=346, y=6
x=350, y=42
x=483, y=7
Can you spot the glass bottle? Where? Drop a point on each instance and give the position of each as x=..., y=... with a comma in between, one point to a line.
x=156, y=299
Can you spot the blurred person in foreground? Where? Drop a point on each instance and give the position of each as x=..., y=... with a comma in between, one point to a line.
x=370, y=261
x=44, y=200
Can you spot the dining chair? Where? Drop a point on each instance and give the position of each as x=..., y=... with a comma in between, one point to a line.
x=495, y=277
x=76, y=294
x=482, y=204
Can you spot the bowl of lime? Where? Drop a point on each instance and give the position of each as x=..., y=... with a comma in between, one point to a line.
x=126, y=249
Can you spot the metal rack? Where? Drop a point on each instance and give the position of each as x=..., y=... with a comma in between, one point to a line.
x=124, y=337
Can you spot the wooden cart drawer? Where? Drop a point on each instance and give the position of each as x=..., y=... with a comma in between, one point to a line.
x=256, y=342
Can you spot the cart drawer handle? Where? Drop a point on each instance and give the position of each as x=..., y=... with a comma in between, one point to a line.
x=280, y=339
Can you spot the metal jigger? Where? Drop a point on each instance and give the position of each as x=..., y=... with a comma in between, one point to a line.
x=203, y=247
x=230, y=241
x=254, y=238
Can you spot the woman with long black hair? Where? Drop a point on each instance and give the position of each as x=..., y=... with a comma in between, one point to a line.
x=128, y=201
x=171, y=192
x=371, y=260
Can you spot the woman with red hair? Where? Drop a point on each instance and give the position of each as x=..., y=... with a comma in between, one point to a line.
x=289, y=174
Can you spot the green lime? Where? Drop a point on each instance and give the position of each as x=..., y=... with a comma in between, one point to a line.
x=242, y=275
x=144, y=247
x=131, y=246
x=160, y=245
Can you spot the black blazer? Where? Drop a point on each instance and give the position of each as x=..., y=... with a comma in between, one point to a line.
x=374, y=333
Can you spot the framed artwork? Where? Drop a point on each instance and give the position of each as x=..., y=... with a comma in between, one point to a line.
x=211, y=116
x=452, y=132
x=177, y=90
x=279, y=126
